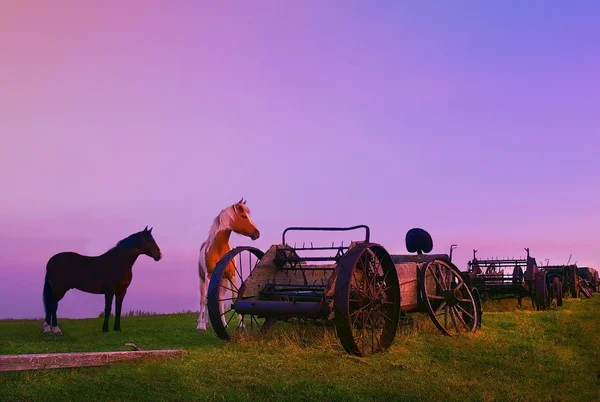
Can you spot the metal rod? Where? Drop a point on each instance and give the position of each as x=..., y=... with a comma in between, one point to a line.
x=279, y=308
x=319, y=248
x=307, y=269
x=299, y=286
x=306, y=259
x=327, y=229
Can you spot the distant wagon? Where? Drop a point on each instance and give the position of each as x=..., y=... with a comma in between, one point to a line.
x=589, y=280
x=514, y=277
x=567, y=274
x=361, y=288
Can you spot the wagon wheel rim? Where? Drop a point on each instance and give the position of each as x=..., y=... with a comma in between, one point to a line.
x=449, y=300
x=226, y=323
x=542, y=297
x=366, y=300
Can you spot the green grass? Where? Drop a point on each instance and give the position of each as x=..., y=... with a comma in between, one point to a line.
x=518, y=355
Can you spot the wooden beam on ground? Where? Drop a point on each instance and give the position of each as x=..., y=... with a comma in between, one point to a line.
x=69, y=360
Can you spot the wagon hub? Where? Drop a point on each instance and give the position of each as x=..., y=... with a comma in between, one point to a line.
x=452, y=296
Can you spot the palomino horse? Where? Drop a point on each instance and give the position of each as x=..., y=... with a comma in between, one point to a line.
x=109, y=274
x=235, y=218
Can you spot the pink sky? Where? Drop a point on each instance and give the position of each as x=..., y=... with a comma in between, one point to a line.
x=477, y=123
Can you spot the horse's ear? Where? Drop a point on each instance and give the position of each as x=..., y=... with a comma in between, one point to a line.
x=150, y=231
x=244, y=202
x=145, y=230
x=240, y=201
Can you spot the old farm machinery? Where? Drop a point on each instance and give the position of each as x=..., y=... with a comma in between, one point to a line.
x=360, y=288
x=514, y=277
x=565, y=277
x=589, y=281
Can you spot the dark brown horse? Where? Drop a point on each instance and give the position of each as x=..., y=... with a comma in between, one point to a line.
x=109, y=274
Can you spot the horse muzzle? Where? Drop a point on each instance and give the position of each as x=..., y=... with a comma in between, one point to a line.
x=158, y=257
x=255, y=235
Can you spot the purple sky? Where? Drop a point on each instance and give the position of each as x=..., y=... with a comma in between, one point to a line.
x=477, y=122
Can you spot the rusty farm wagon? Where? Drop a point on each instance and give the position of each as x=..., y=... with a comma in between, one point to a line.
x=513, y=278
x=360, y=288
x=567, y=275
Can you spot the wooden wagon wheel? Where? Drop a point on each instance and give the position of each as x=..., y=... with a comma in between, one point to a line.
x=225, y=321
x=366, y=300
x=542, y=295
x=477, y=297
x=449, y=300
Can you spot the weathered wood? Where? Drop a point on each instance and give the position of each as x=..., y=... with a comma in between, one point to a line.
x=69, y=360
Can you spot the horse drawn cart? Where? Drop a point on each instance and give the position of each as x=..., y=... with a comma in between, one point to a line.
x=523, y=278
x=361, y=288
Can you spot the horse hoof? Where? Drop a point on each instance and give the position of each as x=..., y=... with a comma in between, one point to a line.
x=56, y=330
x=201, y=327
x=104, y=329
x=47, y=328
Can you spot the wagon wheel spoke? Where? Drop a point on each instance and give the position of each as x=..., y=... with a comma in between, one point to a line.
x=465, y=312
x=382, y=314
x=453, y=319
x=435, y=278
x=439, y=309
x=462, y=320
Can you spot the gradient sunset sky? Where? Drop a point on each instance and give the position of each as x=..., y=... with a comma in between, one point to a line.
x=477, y=121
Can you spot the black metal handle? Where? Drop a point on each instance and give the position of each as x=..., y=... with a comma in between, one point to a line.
x=326, y=229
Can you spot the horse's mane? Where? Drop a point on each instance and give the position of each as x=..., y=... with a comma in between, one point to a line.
x=222, y=222
x=128, y=242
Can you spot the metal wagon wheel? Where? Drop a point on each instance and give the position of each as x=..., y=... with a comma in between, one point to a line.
x=366, y=300
x=449, y=300
x=225, y=321
x=542, y=294
x=557, y=291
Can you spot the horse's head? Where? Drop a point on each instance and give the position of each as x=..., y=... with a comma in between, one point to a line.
x=147, y=244
x=241, y=222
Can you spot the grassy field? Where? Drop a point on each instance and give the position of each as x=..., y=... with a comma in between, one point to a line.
x=519, y=355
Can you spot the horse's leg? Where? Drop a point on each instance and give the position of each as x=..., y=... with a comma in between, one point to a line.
x=48, y=299
x=202, y=318
x=54, y=324
x=108, y=298
x=118, y=304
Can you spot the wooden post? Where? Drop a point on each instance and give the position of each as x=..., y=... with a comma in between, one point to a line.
x=68, y=360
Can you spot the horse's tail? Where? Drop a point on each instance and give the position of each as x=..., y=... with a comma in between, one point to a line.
x=201, y=263
x=49, y=302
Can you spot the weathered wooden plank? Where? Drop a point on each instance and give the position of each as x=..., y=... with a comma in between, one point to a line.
x=87, y=359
